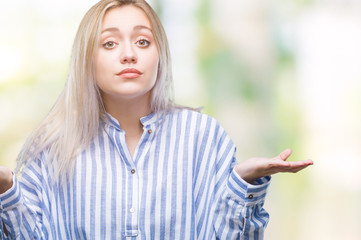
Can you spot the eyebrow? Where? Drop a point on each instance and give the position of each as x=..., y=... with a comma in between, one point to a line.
x=136, y=28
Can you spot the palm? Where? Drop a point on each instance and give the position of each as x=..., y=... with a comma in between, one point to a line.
x=255, y=168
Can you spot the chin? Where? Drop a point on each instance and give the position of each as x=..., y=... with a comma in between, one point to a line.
x=133, y=95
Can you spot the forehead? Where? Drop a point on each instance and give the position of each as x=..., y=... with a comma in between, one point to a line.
x=125, y=17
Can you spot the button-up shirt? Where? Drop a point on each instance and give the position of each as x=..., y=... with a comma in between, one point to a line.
x=179, y=184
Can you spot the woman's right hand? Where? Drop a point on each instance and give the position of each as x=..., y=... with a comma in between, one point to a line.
x=6, y=179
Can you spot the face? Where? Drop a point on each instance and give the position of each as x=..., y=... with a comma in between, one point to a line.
x=126, y=61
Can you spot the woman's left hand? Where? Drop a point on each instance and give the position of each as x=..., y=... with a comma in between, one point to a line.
x=255, y=168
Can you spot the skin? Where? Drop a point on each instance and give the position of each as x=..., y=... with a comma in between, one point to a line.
x=127, y=41
x=128, y=99
x=6, y=179
x=255, y=168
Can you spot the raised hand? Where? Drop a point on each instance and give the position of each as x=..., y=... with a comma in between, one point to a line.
x=6, y=179
x=255, y=168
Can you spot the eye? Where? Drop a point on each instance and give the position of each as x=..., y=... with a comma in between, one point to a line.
x=110, y=45
x=143, y=43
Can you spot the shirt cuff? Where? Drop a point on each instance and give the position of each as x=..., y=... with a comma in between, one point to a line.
x=11, y=198
x=244, y=192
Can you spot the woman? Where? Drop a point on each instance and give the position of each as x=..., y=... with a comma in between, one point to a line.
x=115, y=158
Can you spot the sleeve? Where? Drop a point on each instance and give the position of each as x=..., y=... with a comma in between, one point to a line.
x=20, y=206
x=239, y=212
x=238, y=206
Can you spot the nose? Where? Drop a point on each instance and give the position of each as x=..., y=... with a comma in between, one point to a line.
x=129, y=55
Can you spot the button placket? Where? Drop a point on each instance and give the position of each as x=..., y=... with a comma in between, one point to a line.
x=133, y=204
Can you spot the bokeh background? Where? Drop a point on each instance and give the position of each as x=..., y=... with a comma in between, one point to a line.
x=275, y=73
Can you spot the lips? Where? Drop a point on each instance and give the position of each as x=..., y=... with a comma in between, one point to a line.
x=129, y=73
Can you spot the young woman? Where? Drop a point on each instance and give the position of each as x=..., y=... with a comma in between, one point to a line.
x=116, y=159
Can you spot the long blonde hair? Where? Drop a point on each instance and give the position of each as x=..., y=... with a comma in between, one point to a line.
x=75, y=118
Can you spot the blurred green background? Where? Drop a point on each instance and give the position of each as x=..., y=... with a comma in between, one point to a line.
x=276, y=74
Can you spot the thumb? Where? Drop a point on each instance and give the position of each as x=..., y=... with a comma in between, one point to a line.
x=285, y=154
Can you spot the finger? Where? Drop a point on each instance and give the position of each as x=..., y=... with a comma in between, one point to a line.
x=297, y=166
x=308, y=162
x=285, y=154
x=295, y=170
x=277, y=165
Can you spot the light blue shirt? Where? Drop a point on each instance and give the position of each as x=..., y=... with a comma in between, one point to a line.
x=180, y=184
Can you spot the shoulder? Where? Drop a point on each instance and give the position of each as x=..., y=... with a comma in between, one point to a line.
x=40, y=166
x=204, y=133
x=188, y=114
x=194, y=120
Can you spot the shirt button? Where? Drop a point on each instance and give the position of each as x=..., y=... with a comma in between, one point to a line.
x=250, y=196
x=132, y=171
x=150, y=131
x=131, y=210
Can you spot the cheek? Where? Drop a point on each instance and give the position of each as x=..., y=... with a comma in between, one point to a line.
x=97, y=66
x=154, y=60
x=104, y=62
x=155, y=67
x=102, y=68
x=150, y=58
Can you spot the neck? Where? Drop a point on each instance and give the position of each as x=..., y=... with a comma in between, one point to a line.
x=128, y=113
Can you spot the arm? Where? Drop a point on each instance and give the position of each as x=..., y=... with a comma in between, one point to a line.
x=237, y=206
x=239, y=212
x=6, y=182
x=17, y=204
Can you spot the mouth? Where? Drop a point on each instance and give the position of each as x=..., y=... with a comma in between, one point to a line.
x=129, y=73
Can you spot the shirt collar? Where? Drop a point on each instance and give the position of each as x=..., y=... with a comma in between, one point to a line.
x=145, y=121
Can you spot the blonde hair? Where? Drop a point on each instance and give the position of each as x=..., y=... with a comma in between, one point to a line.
x=75, y=118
